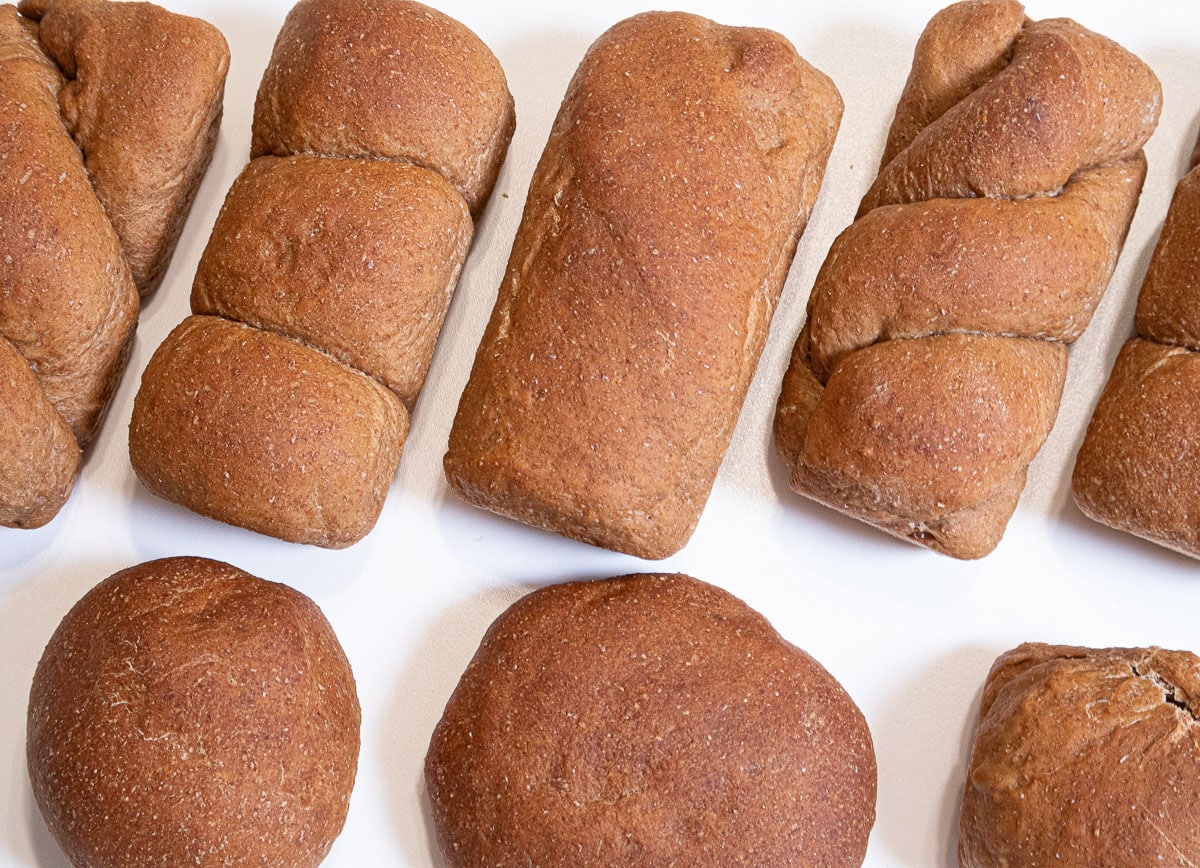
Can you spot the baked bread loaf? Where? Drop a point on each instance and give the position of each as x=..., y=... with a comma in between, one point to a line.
x=658, y=231
x=254, y=429
x=188, y=713
x=647, y=720
x=930, y=369
x=1139, y=467
x=72, y=223
x=1085, y=757
x=437, y=99
x=343, y=245
x=68, y=303
x=144, y=105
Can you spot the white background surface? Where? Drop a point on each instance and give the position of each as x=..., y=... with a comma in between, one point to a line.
x=909, y=633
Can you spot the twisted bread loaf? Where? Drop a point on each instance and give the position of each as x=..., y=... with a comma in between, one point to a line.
x=1139, y=469
x=343, y=266
x=930, y=369
x=144, y=105
x=656, y=238
x=68, y=303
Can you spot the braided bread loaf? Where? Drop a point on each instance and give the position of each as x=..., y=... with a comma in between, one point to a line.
x=1139, y=469
x=68, y=302
x=930, y=369
x=283, y=404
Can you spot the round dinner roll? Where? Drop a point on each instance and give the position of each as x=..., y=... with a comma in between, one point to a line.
x=188, y=713
x=647, y=720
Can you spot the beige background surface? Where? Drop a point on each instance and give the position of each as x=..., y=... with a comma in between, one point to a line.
x=909, y=634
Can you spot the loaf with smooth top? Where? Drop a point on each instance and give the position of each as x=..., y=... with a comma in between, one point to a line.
x=647, y=720
x=657, y=234
x=1138, y=469
x=931, y=365
x=187, y=713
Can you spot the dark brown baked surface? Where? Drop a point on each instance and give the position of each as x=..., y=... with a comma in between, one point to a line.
x=341, y=84
x=647, y=720
x=69, y=305
x=358, y=258
x=657, y=234
x=185, y=712
x=1138, y=469
x=143, y=102
x=39, y=458
x=1008, y=182
x=1085, y=757
x=262, y=432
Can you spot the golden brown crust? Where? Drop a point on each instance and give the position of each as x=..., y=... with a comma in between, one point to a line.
x=185, y=712
x=69, y=305
x=1138, y=469
x=1085, y=757
x=144, y=105
x=657, y=234
x=262, y=432
x=981, y=250
x=977, y=411
x=358, y=258
x=647, y=720
x=39, y=458
x=356, y=84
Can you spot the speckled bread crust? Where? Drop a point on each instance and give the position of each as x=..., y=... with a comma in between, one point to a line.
x=358, y=258
x=1085, y=757
x=340, y=84
x=144, y=105
x=353, y=251
x=257, y=430
x=658, y=231
x=39, y=458
x=1139, y=467
x=67, y=303
x=644, y=721
x=930, y=369
x=188, y=713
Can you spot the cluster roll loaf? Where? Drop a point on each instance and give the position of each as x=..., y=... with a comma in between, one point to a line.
x=282, y=405
x=1139, y=467
x=76, y=158
x=930, y=369
x=657, y=234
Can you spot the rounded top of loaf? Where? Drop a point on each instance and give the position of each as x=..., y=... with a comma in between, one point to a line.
x=1085, y=757
x=186, y=711
x=389, y=79
x=648, y=720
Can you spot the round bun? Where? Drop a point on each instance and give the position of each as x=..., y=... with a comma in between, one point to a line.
x=185, y=713
x=1085, y=757
x=648, y=720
